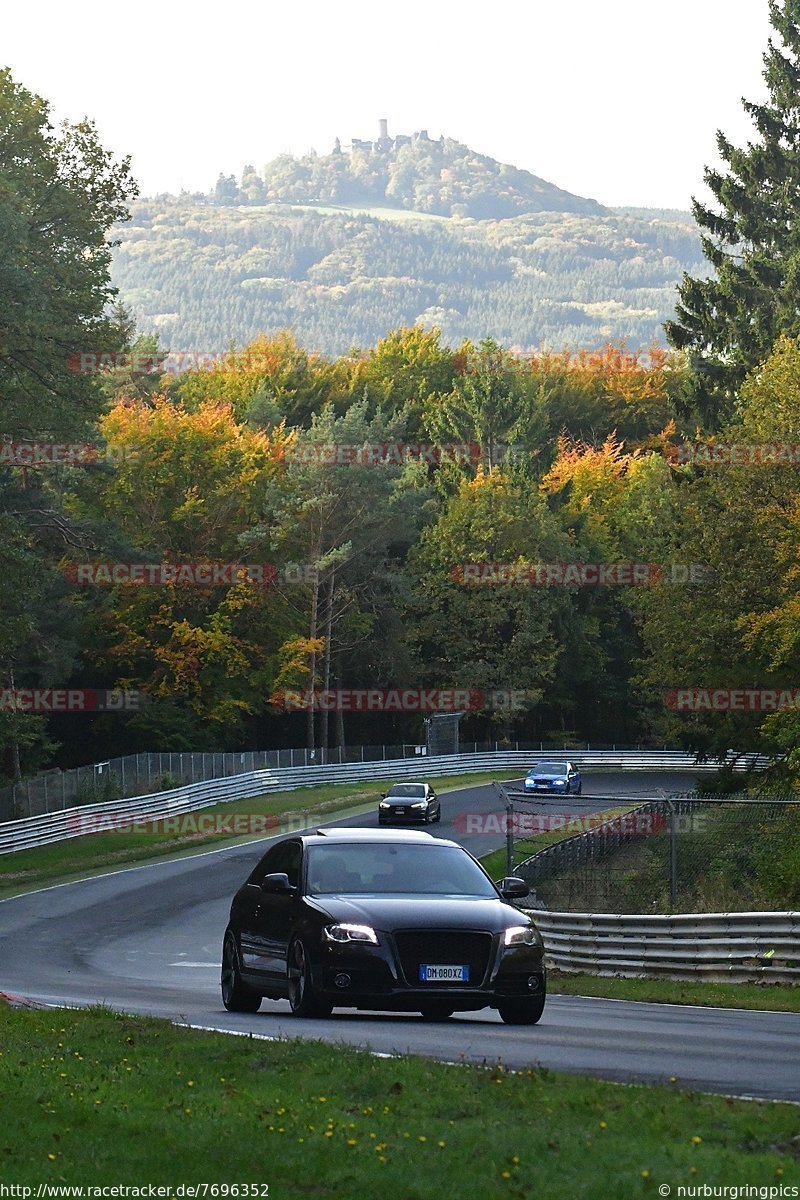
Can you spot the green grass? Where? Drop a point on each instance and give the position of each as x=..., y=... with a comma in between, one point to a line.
x=82, y=855
x=779, y=997
x=98, y=1098
x=383, y=211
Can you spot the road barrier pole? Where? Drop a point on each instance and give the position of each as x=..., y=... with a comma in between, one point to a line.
x=673, y=856
x=509, y=807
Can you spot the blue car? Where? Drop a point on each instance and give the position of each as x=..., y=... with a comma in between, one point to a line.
x=559, y=777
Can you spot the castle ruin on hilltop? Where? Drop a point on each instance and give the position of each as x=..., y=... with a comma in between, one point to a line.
x=383, y=141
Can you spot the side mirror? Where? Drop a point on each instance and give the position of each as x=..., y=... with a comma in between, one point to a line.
x=275, y=883
x=384, y=795
x=512, y=888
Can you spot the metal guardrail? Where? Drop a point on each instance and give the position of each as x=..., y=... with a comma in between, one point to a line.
x=68, y=823
x=74, y=822
x=754, y=947
x=144, y=773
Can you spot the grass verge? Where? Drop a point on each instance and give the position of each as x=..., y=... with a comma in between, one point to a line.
x=779, y=997
x=99, y=1098
x=25, y=869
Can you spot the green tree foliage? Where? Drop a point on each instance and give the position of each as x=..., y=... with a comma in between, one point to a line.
x=485, y=636
x=735, y=628
x=345, y=528
x=729, y=322
x=60, y=192
x=443, y=177
x=487, y=406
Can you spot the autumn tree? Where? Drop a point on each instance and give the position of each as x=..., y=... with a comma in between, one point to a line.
x=185, y=486
x=343, y=524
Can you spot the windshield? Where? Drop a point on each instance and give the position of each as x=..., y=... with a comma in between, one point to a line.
x=408, y=789
x=374, y=869
x=547, y=768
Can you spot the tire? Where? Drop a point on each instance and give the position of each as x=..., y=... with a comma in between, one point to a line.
x=579, y=789
x=438, y=816
x=237, y=996
x=525, y=1011
x=436, y=1012
x=303, y=1000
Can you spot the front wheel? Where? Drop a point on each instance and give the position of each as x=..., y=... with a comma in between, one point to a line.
x=303, y=999
x=237, y=996
x=578, y=789
x=525, y=1011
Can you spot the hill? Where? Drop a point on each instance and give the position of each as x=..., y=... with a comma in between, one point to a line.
x=203, y=276
x=343, y=247
x=441, y=177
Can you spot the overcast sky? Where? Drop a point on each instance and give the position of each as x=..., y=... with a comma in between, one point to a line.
x=615, y=99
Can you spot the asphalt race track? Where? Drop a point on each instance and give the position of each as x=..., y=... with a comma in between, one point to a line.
x=147, y=939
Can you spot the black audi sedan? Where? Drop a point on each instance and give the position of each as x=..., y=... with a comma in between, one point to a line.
x=409, y=802
x=403, y=922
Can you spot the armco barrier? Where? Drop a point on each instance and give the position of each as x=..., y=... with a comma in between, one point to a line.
x=59, y=826
x=737, y=947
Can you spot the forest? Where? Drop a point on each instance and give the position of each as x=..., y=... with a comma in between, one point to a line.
x=203, y=275
x=589, y=542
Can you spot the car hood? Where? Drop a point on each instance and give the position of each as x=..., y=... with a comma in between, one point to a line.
x=420, y=912
x=540, y=777
x=405, y=800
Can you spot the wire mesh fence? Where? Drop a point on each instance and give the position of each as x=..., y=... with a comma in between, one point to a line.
x=679, y=854
x=141, y=774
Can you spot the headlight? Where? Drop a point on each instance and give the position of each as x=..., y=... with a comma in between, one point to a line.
x=420, y=804
x=351, y=933
x=521, y=935
x=384, y=804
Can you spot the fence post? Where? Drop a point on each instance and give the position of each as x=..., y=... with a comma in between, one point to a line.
x=673, y=859
x=508, y=804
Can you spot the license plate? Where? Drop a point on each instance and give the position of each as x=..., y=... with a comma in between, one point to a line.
x=436, y=973
x=401, y=812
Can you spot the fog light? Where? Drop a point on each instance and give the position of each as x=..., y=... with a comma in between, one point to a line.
x=534, y=983
x=342, y=980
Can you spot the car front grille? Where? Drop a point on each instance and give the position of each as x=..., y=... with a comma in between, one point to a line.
x=453, y=947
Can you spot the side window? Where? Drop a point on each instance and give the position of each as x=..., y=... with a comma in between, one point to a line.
x=286, y=857
x=292, y=857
